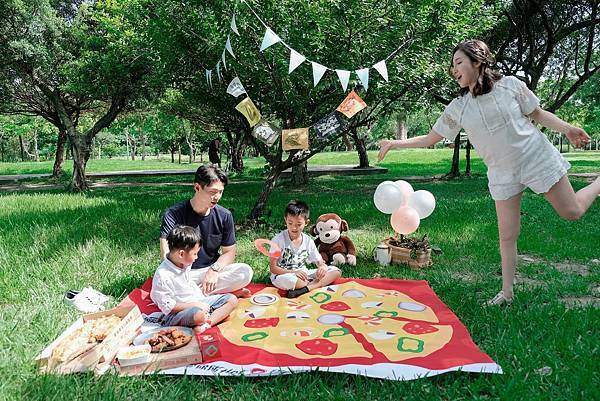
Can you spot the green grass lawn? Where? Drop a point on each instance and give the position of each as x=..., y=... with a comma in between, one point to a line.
x=406, y=162
x=51, y=241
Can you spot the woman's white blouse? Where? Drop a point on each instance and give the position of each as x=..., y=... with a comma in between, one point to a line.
x=496, y=123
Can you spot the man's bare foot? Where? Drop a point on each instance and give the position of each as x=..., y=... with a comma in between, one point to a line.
x=242, y=293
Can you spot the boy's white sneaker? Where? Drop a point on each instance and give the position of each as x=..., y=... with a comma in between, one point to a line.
x=81, y=302
x=95, y=296
x=85, y=300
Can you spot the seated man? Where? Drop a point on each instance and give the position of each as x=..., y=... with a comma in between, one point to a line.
x=214, y=271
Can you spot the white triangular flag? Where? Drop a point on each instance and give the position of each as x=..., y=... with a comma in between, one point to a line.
x=228, y=46
x=318, y=71
x=209, y=77
x=270, y=39
x=363, y=75
x=234, y=26
x=344, y=77
x=295, y=60
x=382, y=69
x=223, y=60
x=219, y=70
x=235, y=87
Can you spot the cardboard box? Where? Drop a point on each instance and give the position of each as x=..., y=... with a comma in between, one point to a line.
x=104, y=352
x=190, y=354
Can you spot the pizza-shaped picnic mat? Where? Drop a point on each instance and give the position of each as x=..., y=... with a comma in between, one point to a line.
x=383, y=328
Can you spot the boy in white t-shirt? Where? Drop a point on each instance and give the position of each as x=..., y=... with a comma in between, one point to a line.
x=289, y=271
x=179, y=298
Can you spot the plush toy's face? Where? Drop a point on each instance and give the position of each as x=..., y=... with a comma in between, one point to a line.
x=328, y=231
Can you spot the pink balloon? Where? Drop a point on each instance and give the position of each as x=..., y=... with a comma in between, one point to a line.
x=405, y=220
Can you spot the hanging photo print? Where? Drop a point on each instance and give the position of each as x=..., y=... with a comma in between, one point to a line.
x=292, y=139
x=249, y=110
x=235, y=87
x=330, y=124
x=266, y=132
x=351, y=105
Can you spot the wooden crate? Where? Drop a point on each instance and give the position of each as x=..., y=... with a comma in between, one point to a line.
x=402, y=255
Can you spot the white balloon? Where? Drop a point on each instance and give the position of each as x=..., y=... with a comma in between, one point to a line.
x=407, y=190
x=423, y=202
x=388, y=197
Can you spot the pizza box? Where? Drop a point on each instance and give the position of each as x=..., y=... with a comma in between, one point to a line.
x=104, y=352
x=189, y=354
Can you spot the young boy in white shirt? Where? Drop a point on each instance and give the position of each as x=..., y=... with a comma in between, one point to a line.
x=289, y=272
x=179, y=298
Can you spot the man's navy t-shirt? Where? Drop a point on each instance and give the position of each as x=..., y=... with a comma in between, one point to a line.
x=217, y=229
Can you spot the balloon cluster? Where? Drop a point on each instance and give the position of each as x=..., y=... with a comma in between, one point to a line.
x=406, y=205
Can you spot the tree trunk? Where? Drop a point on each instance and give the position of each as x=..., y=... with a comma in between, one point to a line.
x=402, y=130
x=179, y=153
x=468, y=156
x=127, y=141
x=237, y=161
x=172, y=155
x=235, y=151
x=361, y=148
x=22, y=148
x=36, y=151
x=59, y=157
x=143, y=141
x=347, y=141
x=561, y=142
x=133, y=147
x=259, y=207
x=300, y=174
x=80, y=149
x=192, y=151
x=454, y=171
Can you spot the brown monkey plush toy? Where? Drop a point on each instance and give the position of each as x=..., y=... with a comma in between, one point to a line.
x=334, y=248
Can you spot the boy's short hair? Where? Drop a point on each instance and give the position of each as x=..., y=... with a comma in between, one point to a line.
x=208, y=173
x=297, y=208
x=183, y=237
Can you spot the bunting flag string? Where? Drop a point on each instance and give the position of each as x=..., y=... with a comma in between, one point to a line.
x=363, y=75
x=269, y=39
x=344, y=77
x=296, y=59
x=234, y=25
x=318, y=71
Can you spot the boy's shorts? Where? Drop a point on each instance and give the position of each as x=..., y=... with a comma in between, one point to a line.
x=186, y=316
x=288, y=281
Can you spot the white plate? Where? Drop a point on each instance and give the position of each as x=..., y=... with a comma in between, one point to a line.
x=264, y=299
x=141, y=339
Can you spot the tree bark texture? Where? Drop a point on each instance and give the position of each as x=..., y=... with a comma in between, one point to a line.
x=468, y=156
x=81, y=146
x=259, y=207
x=454, y=170
x=361, y=148
x=300, y=174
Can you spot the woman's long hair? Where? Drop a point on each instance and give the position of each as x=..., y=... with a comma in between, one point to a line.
x=478, y=51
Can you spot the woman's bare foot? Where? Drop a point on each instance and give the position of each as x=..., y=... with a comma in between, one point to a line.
x=242, y=293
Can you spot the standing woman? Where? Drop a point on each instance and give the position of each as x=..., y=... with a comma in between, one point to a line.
x=496, y=113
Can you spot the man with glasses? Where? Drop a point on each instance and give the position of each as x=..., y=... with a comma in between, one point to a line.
x=214, y=270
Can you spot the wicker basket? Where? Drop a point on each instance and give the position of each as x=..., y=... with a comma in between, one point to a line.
x=402, y=256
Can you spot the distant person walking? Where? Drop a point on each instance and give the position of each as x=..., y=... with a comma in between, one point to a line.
x=214, y=152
